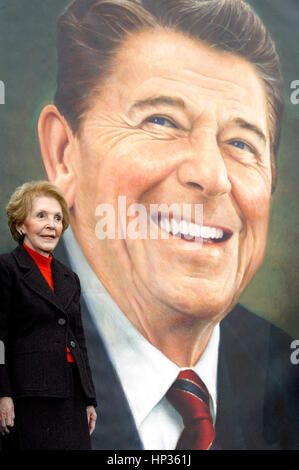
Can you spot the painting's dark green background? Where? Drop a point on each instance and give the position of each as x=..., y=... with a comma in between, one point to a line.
x=28, y=68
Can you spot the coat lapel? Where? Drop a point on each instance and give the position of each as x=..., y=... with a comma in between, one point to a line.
x=36, y=282
x=242, y=373
x=64, y=285
x=229, y=433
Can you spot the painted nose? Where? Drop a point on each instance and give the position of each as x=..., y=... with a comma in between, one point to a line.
x=204, y=167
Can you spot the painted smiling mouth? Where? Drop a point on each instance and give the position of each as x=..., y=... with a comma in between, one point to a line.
x=191, y=231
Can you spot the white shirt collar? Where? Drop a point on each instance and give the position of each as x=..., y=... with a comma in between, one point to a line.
x=145, y=372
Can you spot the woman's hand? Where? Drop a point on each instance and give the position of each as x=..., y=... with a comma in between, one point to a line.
x=91, y=418
x=7, y=414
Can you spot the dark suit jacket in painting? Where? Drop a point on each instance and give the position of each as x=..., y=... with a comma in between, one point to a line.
x=36, y=325
x=258, y=389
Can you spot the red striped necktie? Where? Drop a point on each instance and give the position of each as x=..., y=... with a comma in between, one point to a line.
x=190, y=398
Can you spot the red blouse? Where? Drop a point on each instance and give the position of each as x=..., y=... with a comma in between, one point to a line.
x=44, y=265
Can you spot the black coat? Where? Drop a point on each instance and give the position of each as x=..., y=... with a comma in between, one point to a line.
x=36, y=325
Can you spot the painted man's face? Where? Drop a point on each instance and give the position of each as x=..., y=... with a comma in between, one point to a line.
x=176, y=122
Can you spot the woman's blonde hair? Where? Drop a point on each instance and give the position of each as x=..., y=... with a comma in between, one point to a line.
x=20, y=204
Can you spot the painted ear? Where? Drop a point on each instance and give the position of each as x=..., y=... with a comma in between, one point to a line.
x=57, y=144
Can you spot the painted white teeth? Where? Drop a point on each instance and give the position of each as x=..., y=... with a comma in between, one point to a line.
x=190, y=229
x=184, y=228
x=175, y=229
x=166, y=225
x=195, y=230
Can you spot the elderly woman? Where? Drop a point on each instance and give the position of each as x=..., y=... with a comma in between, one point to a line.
x=47, y=398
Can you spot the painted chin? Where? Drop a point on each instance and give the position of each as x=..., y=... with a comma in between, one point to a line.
x=195, y=297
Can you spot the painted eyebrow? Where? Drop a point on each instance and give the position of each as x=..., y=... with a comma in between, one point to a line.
x=178, y=102
x=158, y=100
x=251, y=127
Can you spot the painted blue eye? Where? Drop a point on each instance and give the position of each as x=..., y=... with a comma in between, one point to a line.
x=161, y=121
x=239, y=144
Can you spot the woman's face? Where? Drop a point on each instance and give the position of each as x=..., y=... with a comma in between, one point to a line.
x=42, y=227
